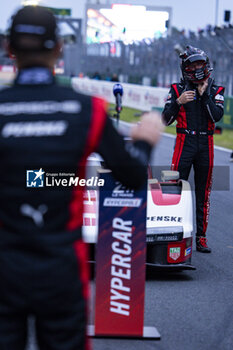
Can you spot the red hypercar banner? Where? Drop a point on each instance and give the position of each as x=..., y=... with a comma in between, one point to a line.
x=120, y=260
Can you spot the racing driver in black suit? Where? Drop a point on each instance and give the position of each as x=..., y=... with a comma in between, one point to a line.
x=196, y=103
x=47, y=127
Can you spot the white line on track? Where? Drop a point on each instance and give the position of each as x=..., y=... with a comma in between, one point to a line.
x=223, y=149
x=169, y=135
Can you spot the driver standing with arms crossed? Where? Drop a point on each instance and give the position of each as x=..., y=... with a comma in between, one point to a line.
x=196, y=103
x=49, y=127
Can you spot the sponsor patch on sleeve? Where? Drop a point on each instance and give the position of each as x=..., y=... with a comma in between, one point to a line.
x=219, y=97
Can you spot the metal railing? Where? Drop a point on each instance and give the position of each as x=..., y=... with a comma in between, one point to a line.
x=155, y=62
x=149, y=62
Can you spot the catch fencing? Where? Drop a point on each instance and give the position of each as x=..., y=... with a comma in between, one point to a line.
x=156, y=62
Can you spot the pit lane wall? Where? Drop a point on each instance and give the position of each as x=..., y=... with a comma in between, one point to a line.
x=140, y=97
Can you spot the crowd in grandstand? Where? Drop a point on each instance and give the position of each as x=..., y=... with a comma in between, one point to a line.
x=157, y=58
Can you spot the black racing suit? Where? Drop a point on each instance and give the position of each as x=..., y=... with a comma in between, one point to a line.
x=194, y=141
x=42, y=256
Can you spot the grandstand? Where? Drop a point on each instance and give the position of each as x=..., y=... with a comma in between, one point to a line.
x=156, y=61
x=150, y=61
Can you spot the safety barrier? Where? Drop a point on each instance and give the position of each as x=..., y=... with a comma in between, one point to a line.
x=135, y=96
x=7, y=75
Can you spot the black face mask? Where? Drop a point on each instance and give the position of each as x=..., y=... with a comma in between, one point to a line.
x=199, y=74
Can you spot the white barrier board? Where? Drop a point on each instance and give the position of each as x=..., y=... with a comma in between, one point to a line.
x=135, y=96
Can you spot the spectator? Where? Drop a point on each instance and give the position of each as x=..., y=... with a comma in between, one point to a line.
x=115, y=77
x=96, y=76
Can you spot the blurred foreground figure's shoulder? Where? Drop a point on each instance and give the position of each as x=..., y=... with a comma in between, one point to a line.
x=47, y=133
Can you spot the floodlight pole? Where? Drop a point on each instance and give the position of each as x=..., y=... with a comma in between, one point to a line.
x=216, y=12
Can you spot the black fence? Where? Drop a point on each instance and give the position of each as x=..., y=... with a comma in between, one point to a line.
x=156, y=62
x=149, y=62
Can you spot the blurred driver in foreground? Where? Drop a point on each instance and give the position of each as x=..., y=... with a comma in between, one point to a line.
x=196, y=103
x=44, y=126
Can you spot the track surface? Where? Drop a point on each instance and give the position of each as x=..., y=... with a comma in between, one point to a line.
x=191, y=310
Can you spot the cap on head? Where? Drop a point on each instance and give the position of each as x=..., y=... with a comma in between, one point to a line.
x=33, y=28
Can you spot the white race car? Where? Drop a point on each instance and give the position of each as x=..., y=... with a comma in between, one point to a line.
x=169, y=221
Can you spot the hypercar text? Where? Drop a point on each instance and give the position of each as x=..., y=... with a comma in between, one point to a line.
x=121, y=266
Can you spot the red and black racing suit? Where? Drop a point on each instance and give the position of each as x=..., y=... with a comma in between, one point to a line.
x=194, y=141
x=42, y=256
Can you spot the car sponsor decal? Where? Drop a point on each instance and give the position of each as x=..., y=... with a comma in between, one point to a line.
x=164, y=218
x=187, y=251
x=174, y=253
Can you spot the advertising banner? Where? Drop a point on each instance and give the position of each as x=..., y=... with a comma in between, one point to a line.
x=120, y=260
x=135, y=96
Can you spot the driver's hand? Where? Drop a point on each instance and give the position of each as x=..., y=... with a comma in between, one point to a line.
x=149, y=129
x=202, y=87
x=186, y=96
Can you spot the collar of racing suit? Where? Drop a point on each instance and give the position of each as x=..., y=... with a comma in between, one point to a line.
x=34, y=76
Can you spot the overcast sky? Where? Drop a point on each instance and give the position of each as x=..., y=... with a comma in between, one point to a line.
x=187, y=14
